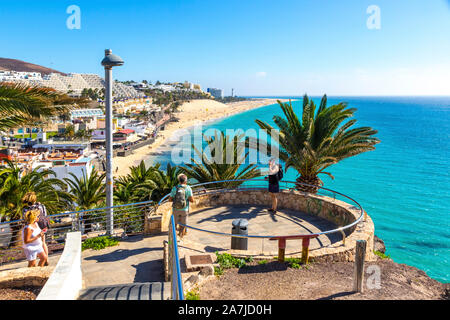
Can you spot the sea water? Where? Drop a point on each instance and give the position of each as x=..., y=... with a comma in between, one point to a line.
x=404, y=185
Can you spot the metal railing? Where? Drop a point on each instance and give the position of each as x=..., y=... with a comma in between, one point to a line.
x=174, y=263
x=254, y=184
x=128, y=219
x=218, y=187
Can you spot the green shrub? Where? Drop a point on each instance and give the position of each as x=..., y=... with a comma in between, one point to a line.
x=218, y=271
x=193, y=294
x=226, y=261
x=262, y=262
x=382, y=255
x=99, y=243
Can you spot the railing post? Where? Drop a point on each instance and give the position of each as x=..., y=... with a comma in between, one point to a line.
x=359, y=266
x=305, y=250
x=281, y=249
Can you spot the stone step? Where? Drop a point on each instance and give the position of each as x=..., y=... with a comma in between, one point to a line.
x=132, y=291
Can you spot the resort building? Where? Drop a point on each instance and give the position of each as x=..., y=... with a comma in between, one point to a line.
x=86, y=114
x=216, y=93
x=72, y=84
x=62, y=158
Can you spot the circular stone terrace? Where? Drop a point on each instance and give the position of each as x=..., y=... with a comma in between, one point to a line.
x=332, y=225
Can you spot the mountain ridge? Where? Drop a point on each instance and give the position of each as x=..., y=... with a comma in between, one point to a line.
x=7, y=64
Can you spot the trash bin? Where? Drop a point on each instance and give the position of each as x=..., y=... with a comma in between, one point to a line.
x=240, y=226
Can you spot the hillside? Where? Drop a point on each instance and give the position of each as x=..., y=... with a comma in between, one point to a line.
x=18, y=65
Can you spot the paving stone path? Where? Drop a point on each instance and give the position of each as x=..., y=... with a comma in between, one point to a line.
x=261, y=223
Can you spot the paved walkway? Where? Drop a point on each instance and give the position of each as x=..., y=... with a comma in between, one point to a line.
x=126, y=270
x=137, y=259
x=261, y=223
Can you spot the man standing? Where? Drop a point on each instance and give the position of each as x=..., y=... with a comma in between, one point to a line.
x=180, y=196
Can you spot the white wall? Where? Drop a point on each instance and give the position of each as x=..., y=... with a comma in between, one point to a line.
x=66, y=280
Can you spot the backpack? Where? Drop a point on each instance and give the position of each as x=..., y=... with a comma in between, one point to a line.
x=179, y=201
x=43, y=221
x=280, y=173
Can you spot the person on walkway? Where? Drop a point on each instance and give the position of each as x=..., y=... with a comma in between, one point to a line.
x=29, y=201
x=180, y=196
x=274, y=186
x=32, y=237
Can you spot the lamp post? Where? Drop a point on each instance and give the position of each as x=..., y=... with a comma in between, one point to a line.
x=110, y=61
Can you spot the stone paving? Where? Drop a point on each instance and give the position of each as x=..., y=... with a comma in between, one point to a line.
x=261, y=223
x=137, y=259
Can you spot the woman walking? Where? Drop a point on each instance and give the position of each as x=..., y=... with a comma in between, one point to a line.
x=32, y=237
x=30, y=203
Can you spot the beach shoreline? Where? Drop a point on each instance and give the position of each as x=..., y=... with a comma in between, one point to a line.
x=195, y=112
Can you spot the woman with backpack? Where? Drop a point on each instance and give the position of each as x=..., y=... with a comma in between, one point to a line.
x=275, y=175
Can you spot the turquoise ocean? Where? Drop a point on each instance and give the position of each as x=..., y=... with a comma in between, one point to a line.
x=404, y=185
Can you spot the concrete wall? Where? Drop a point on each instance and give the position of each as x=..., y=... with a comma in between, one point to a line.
x=65, y=282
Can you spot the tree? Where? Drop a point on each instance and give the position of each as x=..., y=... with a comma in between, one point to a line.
x=88, y=192
x=15, y=183
x=318, y=139
x=146, y=183
x=69, y=132
x=219, y=166
x=20, y=104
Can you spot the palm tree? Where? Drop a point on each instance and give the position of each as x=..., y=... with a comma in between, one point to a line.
x=162, y=181
x=20, y=104
x=318, y=139
x=88, y=192
x=218, y=166
x=15, y=183
x=145, y=184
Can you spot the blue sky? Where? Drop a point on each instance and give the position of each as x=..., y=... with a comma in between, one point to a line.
x=257, y=47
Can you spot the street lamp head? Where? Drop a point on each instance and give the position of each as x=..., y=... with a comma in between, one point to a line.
x=111, y=60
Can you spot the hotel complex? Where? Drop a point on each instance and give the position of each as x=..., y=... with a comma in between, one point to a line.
x=216, y=93
x=73, y=84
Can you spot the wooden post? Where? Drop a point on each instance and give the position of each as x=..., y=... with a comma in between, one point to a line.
x=358, y=277
x=305, y=250
x=281, y=249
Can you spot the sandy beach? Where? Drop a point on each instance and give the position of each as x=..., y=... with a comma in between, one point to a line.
x=191, y=113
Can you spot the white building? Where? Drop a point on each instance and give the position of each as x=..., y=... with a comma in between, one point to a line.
x=216, y=93
x=86, y=113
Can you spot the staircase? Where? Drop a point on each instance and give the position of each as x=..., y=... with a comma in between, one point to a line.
x=132, y=291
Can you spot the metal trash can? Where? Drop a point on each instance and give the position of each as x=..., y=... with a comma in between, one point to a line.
x=240, y=226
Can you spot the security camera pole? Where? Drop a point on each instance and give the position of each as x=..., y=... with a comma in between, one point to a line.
x=109, y=62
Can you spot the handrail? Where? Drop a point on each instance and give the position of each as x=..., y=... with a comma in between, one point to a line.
x=340, y=229
x=87, y=210
x=176, y=281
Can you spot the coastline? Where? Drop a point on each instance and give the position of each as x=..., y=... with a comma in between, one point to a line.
x=195, y=112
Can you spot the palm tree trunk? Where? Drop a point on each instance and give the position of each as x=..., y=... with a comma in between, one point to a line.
x=308, y=184
x=16, y=235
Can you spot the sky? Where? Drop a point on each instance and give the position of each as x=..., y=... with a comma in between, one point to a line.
x=257, y=47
